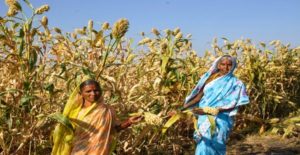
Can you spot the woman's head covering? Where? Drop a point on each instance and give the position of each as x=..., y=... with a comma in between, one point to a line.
x=213, y=69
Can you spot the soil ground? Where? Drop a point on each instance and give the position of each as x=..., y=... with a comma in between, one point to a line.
x=264, y=145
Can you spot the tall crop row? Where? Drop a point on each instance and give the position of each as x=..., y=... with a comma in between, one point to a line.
x=40, y=66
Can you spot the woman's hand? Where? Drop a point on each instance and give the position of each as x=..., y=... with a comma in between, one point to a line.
x=206, y=110
x=211, y=110
x=171, y=113
x=135, y=119
x=129, y=122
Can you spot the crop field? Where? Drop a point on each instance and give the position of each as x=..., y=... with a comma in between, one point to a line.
x=41, y=65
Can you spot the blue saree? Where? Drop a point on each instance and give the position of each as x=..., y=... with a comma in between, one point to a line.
x=226, y=92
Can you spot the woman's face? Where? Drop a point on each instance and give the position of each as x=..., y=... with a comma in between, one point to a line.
x=224, y=65
x=91, y=93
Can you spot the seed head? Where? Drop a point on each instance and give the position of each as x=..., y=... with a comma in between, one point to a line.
x=105, y=26
x=12, y=11
x=74, y=35
x=155, y=31
x=90, y=25
x=145, y=41
x=80, y=31
x=44, y=21
x=33, y=31
x=42, y=9
x=179, y=44
x=188, y=45
x=178, y=35
x=120, y=28
x=152, y=119
x=10, y=2
x=57, y=30
x=13, y=7
x=235, y=45
x=163, y=45
x=168, y=32
x=176, y=31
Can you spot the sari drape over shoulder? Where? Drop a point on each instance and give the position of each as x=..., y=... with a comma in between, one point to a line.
x=94, y=133
x=226, y=92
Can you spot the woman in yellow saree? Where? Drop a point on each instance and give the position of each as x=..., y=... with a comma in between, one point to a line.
x=94, y=123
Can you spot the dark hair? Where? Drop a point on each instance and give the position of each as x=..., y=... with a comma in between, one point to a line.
x=90, y=82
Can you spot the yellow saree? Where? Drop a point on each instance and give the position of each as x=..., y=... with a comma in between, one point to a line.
x=94, y=134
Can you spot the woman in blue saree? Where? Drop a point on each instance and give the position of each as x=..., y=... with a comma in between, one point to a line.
x=215, y=100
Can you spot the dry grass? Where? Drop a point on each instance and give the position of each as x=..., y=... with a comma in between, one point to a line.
x=41, y=65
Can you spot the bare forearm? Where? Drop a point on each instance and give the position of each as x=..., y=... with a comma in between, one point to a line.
x=198, y=111
x=226, y=109
x=127, y=123
x=194, y=101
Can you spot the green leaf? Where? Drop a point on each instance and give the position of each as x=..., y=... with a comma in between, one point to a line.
x=86, y=71
x=49, y=87
x=21, y=48
x=25, y=102
x=16, y=25
x=212, y=124
x=170, y=122
x=21, y=44
x=32, y=59
x=28, y=3
x=63, y=68
x=26, y=99
x=165, y=60
x=156, y=108
x=60, y=118
x=26, y=85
